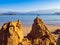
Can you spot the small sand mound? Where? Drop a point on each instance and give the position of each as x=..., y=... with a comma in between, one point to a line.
x=56, y=32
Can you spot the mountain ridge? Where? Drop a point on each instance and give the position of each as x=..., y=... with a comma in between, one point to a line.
x=32, y=12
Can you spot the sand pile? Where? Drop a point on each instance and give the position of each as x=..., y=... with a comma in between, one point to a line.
x=40, y=34
x=11, y=33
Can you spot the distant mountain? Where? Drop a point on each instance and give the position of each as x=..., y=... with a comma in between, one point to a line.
x=44, y=12
x=41, y=12
x=57, y=12
x=11, y=13
x=8, y=13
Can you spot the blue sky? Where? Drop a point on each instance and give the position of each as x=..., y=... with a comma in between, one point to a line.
x=28, y=5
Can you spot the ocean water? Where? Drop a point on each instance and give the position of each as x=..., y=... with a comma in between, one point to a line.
x=28, y=19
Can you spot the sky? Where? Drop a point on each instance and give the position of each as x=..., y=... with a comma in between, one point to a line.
x=28, y=5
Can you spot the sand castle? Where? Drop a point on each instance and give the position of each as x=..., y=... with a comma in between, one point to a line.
x=40, y=34
x=12, y=34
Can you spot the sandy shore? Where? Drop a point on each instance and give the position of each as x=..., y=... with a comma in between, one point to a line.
x=51, y=28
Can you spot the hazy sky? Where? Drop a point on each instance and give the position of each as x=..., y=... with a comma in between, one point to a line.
x=28, y=5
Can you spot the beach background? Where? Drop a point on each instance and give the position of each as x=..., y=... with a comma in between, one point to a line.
x=28, y=19
x=51, y=21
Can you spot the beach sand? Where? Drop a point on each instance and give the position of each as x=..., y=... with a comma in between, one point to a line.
x=50, y=27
